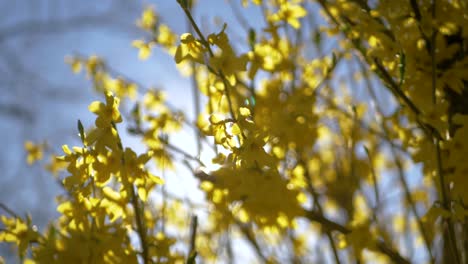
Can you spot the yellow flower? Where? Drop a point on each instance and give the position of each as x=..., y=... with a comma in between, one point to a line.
x=189, y=48
x=154, y=99
x=290, y=13
x=229, y=63
x=75, y=64
x=106, y=165
x=148, y=19
x=135, y=167
x=144, y=48
x=34, y=152
x=166, y=37
x=18, y=232
x=226, y=61
x=221, y=39
x=93, y=64
x=55, y=165
x=120, y=87
x=108, y=112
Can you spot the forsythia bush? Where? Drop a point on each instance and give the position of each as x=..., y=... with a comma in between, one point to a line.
x=316, y=125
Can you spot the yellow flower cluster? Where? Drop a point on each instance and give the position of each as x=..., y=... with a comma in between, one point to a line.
x=302, y=126
x=107, y=186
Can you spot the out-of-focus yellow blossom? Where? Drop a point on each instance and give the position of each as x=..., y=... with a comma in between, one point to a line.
x=144, y=48
x=93, y=64
x=55, y=165
x=226, y=61
x=35, y=152
x=120, y=87
x=18, y=232
x=290, y=13
x=166, y=37
x=75, y=64
x=148, y=19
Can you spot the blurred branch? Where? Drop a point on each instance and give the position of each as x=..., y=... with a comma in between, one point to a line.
x=391, y=253
x=193, y=234
x=16, y=111
x=239, y=16
x=24, y=77
x=8, y=210
x=319, y=215
x=55, y=25
x=326, y=223
x=399, y=165
x=248, y=233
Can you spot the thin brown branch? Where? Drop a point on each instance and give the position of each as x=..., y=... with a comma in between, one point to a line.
x=392, y=254
x=326, y=223
x=193, y=234
x=248, y=234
